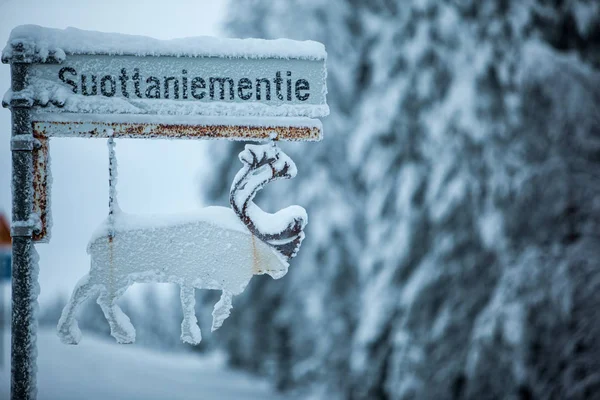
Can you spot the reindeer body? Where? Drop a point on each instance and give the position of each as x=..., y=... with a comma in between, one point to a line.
x=213, y=249
x=210, y=250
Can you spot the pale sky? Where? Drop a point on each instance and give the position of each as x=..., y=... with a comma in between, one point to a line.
x=154, y=176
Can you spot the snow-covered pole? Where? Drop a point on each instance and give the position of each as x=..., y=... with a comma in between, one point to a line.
x=25, y=286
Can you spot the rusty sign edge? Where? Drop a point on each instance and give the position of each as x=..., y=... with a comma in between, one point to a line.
x=41, y=194
x=152, y=130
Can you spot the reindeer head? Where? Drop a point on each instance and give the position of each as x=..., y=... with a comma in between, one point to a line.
x=263, y=164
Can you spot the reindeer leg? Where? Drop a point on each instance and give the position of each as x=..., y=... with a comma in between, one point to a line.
x=190, y=331
x=120, y=325
x=221, y=310
x=68, y=329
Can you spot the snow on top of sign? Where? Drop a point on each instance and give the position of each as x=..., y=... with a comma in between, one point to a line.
x=44, y=43
x=123, y=222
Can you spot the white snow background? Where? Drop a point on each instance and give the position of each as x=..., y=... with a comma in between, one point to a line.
x=101, y=370
x=155, y=176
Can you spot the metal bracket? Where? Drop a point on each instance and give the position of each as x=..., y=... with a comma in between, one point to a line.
x=25, y=51
x=20, y=102
x=22, y=143
x=21, y=230
x=26, y=228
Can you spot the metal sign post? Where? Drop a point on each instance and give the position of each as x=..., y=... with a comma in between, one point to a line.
x=24, y=278
x=74, y=83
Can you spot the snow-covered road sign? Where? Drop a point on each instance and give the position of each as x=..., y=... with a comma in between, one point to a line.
x=80, y=72
x=85, y=84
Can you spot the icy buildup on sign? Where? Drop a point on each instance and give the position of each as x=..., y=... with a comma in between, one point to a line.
x=217, y=248
x=85, y=72
x=57, y=43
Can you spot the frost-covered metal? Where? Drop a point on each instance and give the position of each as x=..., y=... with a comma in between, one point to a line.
x=284, y=230
x=202, y=129
x=25, y=287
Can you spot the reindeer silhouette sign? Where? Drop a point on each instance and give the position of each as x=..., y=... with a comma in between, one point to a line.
x=219, y=248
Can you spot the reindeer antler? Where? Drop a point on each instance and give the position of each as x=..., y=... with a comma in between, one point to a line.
x=263, y=164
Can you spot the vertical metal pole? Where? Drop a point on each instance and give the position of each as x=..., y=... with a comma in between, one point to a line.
x=24, y=258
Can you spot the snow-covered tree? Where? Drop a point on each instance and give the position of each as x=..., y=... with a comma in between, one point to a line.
x=452, y=249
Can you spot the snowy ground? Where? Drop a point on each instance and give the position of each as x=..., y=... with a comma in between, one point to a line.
x=99, y=370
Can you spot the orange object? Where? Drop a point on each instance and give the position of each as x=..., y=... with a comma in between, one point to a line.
x=5, y=239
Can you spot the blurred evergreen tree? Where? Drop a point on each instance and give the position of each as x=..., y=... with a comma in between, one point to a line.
x=452, y=249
